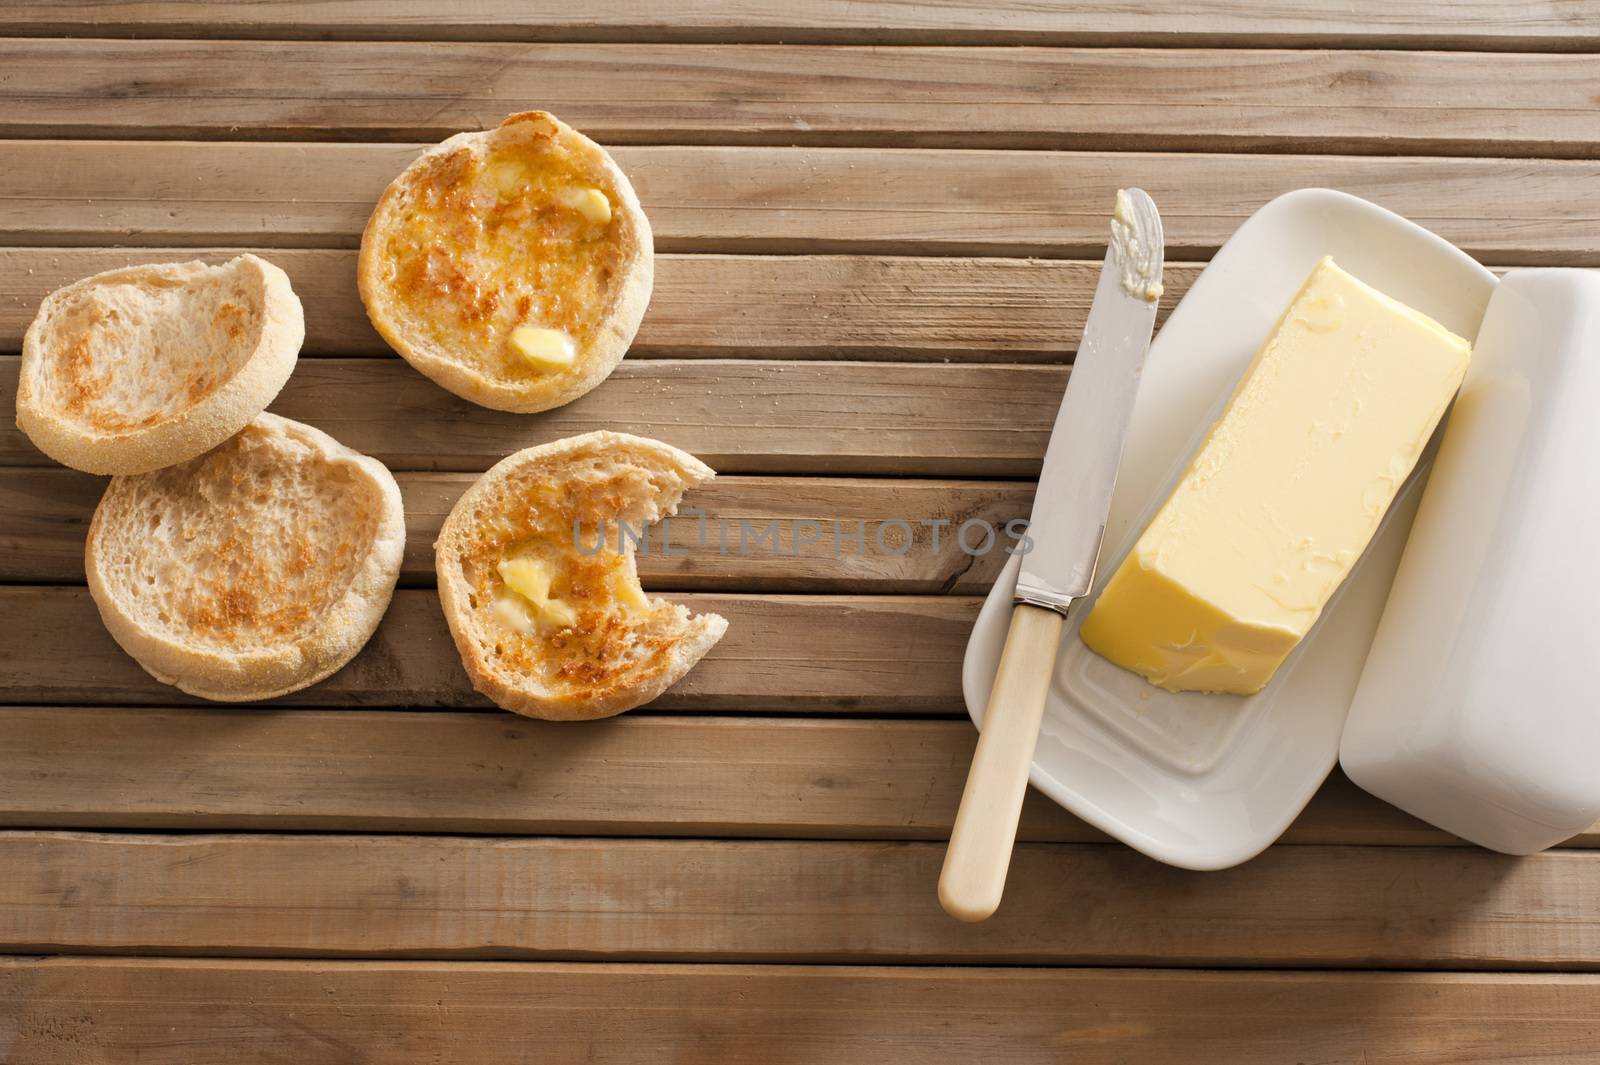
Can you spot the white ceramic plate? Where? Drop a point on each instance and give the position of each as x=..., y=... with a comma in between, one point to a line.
x=1208, y=781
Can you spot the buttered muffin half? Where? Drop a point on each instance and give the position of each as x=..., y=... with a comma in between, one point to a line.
x=511, y=266
x=539, y=584
x=254, y=570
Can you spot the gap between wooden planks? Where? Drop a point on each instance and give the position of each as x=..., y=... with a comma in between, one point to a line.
x=784, y=200
x=738, y=415
x=714, y=544
x=776, y=306
x=1387, y=103
x=224, y=769
x=68, y=1011
x=622, y=899
x=1499, y=24
x=819, y=654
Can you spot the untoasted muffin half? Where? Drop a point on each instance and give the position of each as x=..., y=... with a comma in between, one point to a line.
x=139, y=368
x=512, y=266
x=254, y=570
x=538, y=580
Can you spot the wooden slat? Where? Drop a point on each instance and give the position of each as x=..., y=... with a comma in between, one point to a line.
x=1406, y=907
x=220, y=769
x=817, y=306
x=815, y=653
x=1509, y=24
x=44, y=517
x=73, y=1011
x=741, y=416
x=781, y=200
x=1338, y=101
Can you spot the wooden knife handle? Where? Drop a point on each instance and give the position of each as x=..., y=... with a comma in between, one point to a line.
x=986, y=825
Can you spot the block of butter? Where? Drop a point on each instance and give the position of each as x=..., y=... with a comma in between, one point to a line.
x=1284, y=494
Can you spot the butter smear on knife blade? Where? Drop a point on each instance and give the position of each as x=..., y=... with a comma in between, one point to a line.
x=1284, y=494
x=1141, y=265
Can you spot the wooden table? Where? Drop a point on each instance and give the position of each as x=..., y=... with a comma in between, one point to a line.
x=878, y=224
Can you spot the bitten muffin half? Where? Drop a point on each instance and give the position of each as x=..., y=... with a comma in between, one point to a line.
x=539, y=584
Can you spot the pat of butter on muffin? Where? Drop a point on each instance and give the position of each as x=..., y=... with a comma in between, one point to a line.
x=550, y=348
x=591, y=203
x=530, y=580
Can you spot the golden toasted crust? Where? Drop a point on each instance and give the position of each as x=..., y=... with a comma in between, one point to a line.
x=146, y=366
x=456, y=255
x=611, y=657
x=251, y=571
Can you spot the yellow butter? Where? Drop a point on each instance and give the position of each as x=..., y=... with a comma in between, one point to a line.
x=628, y=591
x=512, y=612
x=530, y=579
x=1284, y=494
x=591, y=203
x=544, y=347
x=509, y=178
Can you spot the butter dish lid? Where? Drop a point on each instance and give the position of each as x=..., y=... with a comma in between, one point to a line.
x=1476, y=709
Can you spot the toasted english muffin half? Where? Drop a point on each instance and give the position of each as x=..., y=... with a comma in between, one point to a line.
x=252, y=571
x=539, y=586
x=139, y=368
x=512, y=266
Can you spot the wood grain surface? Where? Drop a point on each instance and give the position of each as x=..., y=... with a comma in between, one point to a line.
x=67, y=1011
x=1371, y=102
x=638, y=899
x=879, y=227
x=786, y=200
x=1508, y=24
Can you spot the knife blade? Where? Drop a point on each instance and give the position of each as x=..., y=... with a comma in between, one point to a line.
x=1085, y=449
x=1065, y=531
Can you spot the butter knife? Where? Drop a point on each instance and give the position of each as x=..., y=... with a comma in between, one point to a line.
x=1063, y=549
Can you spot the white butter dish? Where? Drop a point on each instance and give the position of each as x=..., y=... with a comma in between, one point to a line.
x=1476, y=709
x=1207, y=781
